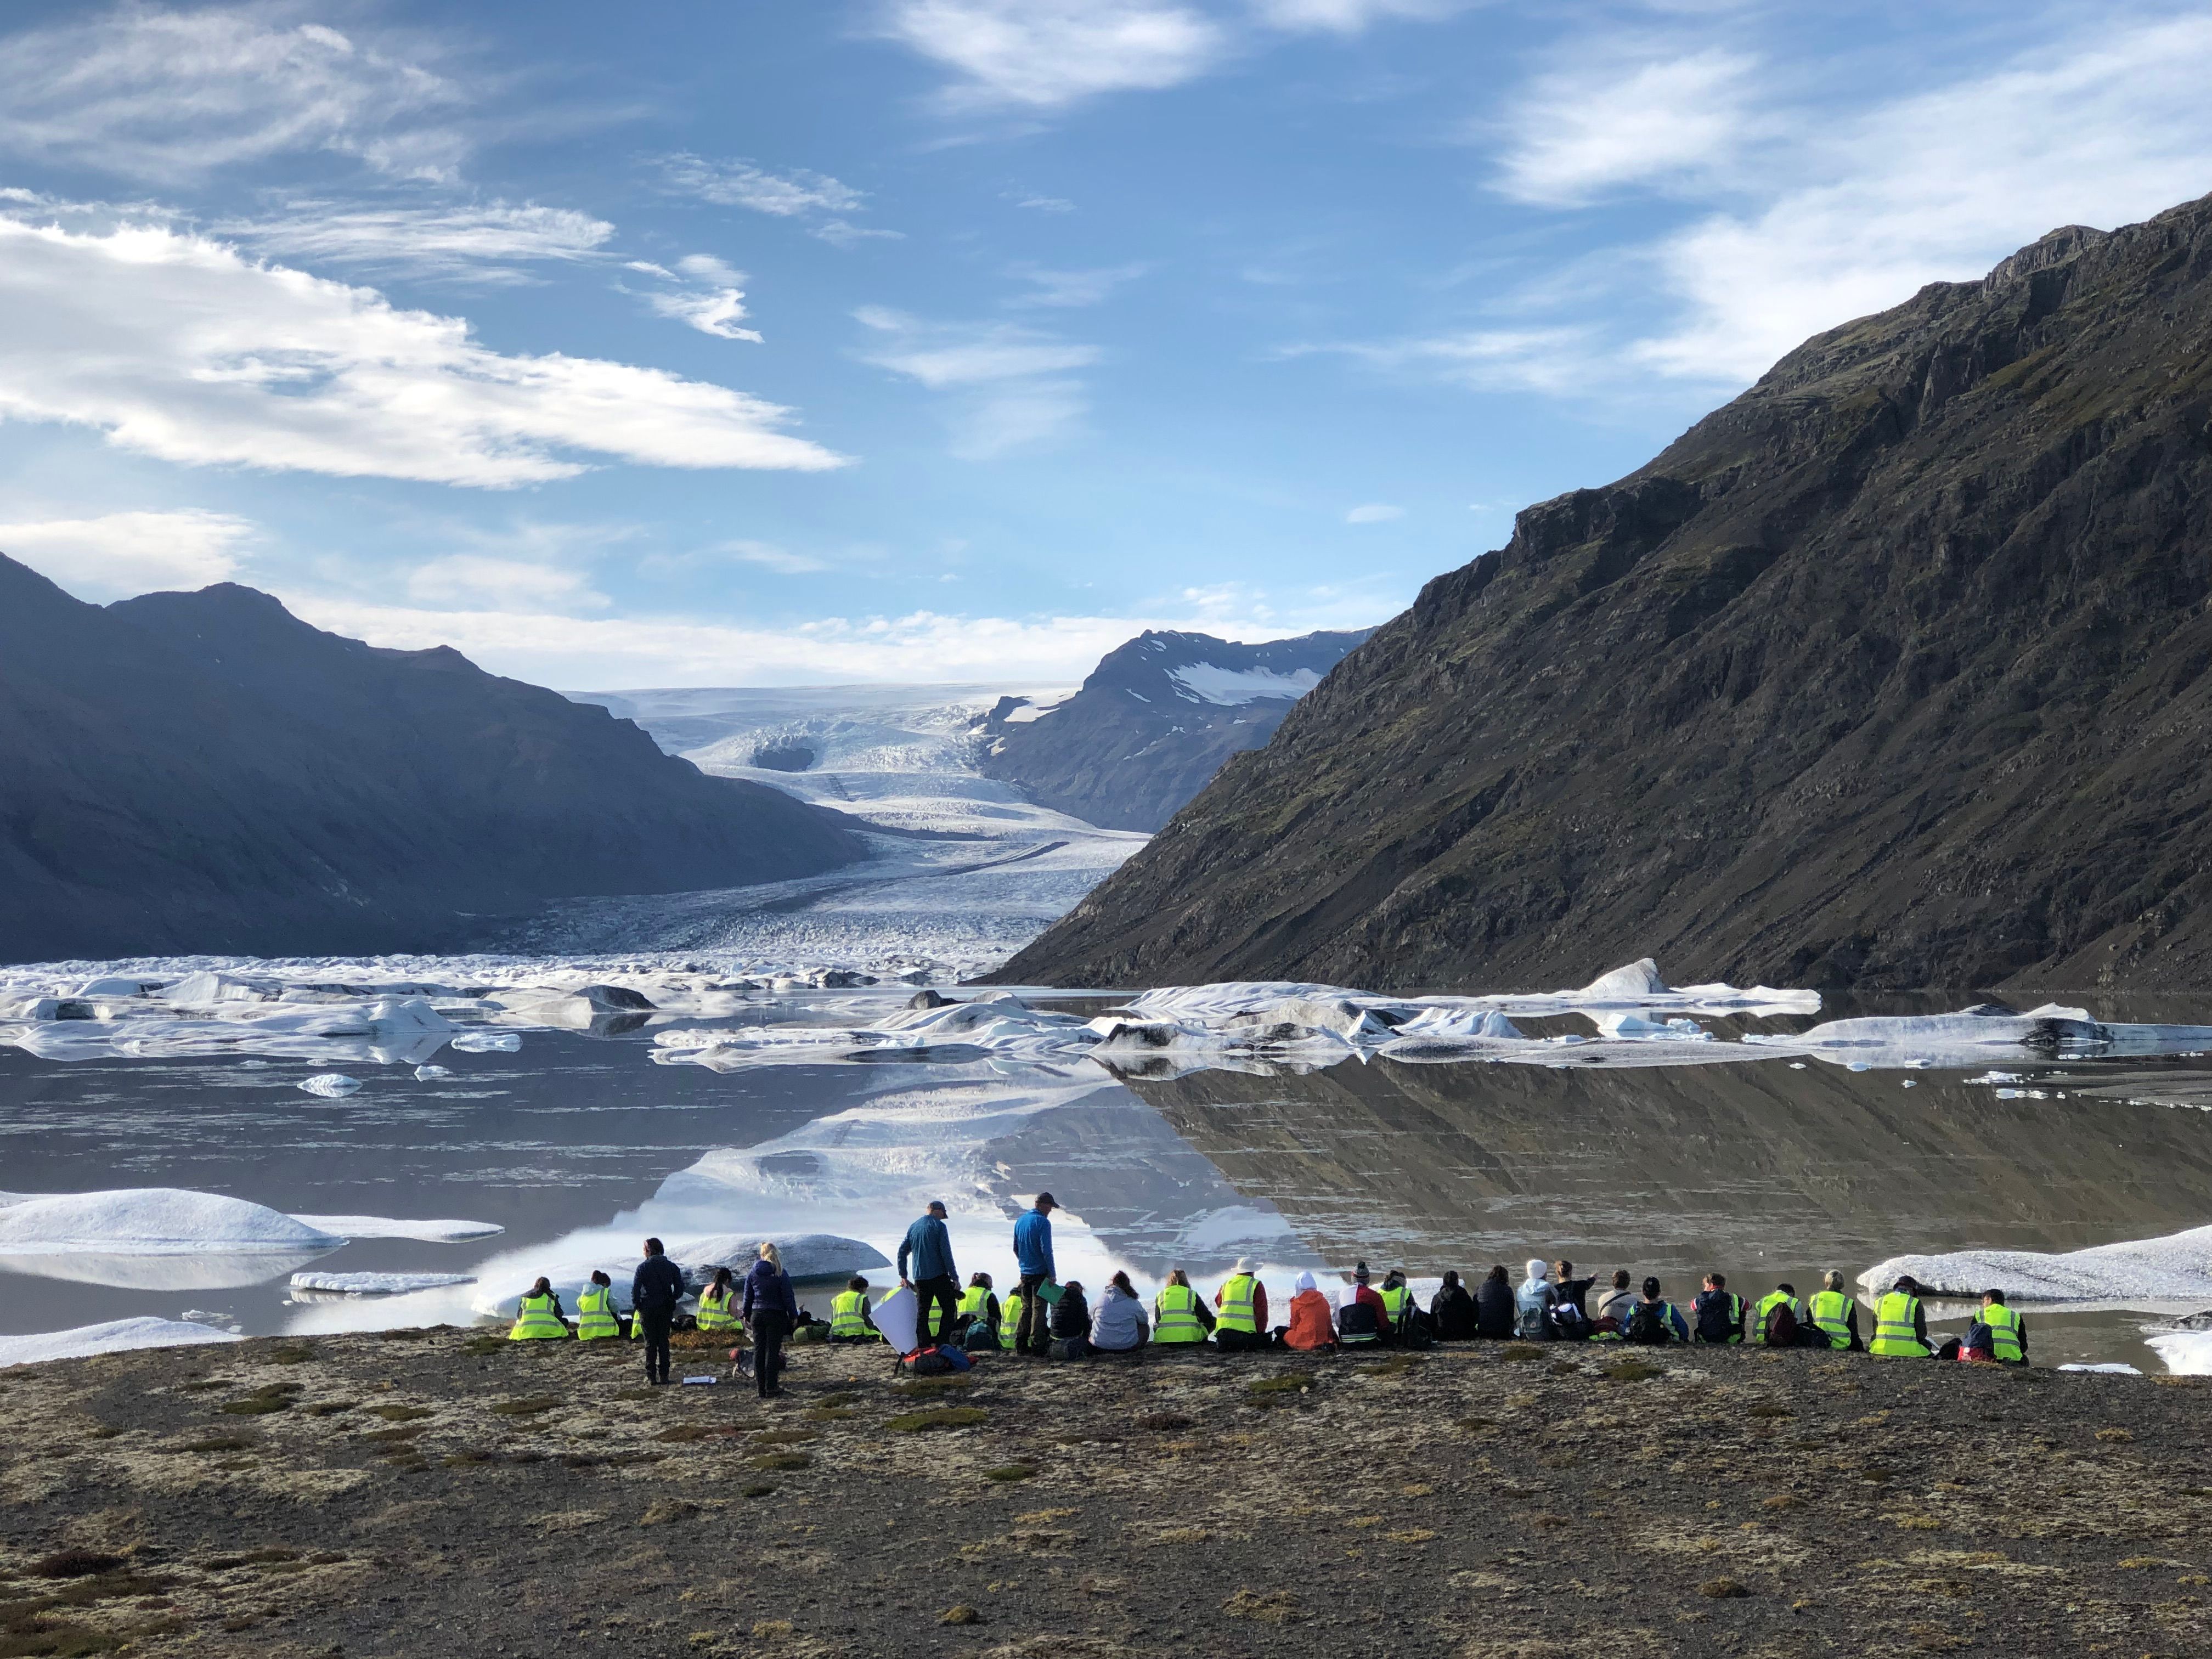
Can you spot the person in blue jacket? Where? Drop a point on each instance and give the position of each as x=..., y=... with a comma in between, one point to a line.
x=1033, y=1255
x=924, y=1266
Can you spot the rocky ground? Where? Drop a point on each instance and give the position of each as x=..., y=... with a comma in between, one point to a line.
x=450, y=1493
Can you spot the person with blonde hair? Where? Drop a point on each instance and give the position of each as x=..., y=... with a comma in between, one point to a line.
x=1179, y=1313
x=770, y=1310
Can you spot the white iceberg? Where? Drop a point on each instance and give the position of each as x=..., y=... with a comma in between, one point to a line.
x=114, y=1337
x=329, y=1086
x=376, y=1284
x=806, y=1255
x=432, y=1073
x=384, y=1226
x=486, y=1042
x=2174, y=1269
x=155, y=1238
x=1974, y=1037
x=2186, y=1353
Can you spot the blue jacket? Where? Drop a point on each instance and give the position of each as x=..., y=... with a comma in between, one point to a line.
x=931, y=1248
x=1033, y=1244
x=657, y=1285
x=767, y=1288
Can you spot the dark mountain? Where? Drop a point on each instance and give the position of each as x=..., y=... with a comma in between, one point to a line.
x=1155, y=721
x=1891, y=672
x=204, y=772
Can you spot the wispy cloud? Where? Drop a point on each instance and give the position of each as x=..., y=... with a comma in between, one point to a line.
x=1545, y=359
x=149, y=93
x=1607, y=124
x=120, y=554
x=1373, y=512
x=1046, y=53
x=838, y=233
x=742, y=183
x=475, y=581
x=181, y=347
x=1349, y=17
x=486, y=242
x=710, y=300
x=1070, y=288
x=1011, y=385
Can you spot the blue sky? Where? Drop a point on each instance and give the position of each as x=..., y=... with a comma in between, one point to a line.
x=742, y=344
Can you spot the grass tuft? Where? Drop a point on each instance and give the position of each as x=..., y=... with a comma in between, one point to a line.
x=401, y=1413
x=1722, y=1588
x=1009, y=1472
x=962, y=1614
x=946, y=1417
x=529, y=1405
x=74, y=1563
x=784, y=1460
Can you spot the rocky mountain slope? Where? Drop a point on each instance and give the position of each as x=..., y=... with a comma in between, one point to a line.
x=1890, y=672
x=204, y=772
x=1154, y=722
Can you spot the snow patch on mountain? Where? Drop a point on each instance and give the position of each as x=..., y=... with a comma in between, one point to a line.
x=1232, y=687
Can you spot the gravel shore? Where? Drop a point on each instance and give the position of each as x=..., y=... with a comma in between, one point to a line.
x=448, y=1493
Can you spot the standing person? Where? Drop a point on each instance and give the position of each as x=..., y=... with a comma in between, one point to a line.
x=1453, y=1310
x=769, y=1309
x=1242, y=1305
x=979, y=1306
x=595, y=1311
x=538, y=1317
x=1836, y=1314
x=654, y=1290
x=1616, y=1305
x=1493, y=1306
x=1360, y=1315
x=1534, y=1298
x=1119, y=1326
x=927, y=1251
x=1179, y=1314
x=1718, y=1312
x=1310, y=1329
x=1900, y=1324
x=1033, y=1257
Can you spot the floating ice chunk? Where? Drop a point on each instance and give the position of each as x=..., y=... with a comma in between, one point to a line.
x=431, y=1074
x=1635, y=1027
x=221, y=1322
x=807, y=1255
x=2108, y=1368
x=486, y=1042
x=1995, y=1076
x=152, y=1221
x=1638, y=979
x=330, y=1085
x=384, y=1226
x=114, y=1337
x=2186, y=1353
x=2174, y=1268
x=375, y=1283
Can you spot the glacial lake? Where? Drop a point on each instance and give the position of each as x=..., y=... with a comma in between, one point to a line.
x=577, y=1144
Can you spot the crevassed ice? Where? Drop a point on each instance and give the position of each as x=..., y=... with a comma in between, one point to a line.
x=2175, y=1270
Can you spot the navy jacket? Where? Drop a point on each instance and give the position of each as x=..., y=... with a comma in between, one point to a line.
x=1033, y=1244
x=930, y=1247
x=768, y=1290
x=657, y=1285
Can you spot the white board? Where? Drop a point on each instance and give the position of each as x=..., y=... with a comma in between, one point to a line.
x=895, y=1317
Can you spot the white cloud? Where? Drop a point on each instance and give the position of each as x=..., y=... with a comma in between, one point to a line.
x=479, y=241
x=2105, y=128
x=150, y=93
x=1373, y=512
x=705, y=268
x=1605, y=124
x=551, y=648
x=838, y=234
x=1047, y=203
x=770, y=556
x=121, y=554
x=1072, y=288
x=1044, y=53
x=741, y=183
x=1010, y=384
x=717, y=312
x=1349, y=17
x=1538, y=359
x=179, y=347
x=473, y=579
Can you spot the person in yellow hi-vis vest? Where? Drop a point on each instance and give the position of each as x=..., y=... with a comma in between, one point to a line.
x=978, y=1305
x=538, y=1318
x=1900, y=1324
x=851, y=1318
x=596, y=1319
x=1835, y=1313
x=716, y=1313
x=1179, y=1313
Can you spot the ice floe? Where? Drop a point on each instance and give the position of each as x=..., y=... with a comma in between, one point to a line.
x=376, y=1284
x=2186, y=1353
x=1974, y=1037
x=115, y=1336
x=384, y=1226
x=2136, y=1273
x=329, y=1086
x=151, y=1221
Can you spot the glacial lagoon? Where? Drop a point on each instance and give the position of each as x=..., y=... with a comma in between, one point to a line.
x=1767, y=1165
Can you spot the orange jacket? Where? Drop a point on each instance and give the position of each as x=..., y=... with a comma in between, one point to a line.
x=1309, y=1321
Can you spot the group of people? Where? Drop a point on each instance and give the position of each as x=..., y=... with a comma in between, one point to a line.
x=1044, y=1316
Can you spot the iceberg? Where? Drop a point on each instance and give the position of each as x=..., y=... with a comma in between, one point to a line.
x=807, y=1255
x=376, y=1284
x=114, y=1337
x=2176, y=1268
x=329, y=1086
x=383, y=1226
x=155, y=1238
x=2186, y=1353
x=1974, y=1037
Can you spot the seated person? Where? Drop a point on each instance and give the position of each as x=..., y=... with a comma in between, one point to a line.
x=1718, y=1311
x=979, y=1307
x=1997, y=1335
x=1453, y=1310
x=1494, y=1306
x=1654, y=1320
x=1361, y=1316
x=1309, y=1327
x=1120, y=1326
x=1180, y=1314
x=1069, y=1323
x=851, y=1318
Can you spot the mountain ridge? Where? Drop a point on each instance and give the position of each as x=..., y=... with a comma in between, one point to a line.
x=1889, y=673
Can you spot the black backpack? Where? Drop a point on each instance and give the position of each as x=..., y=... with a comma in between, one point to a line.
x=925, y=1361
x=1720, y=1317
x=1649, y=1325
x=1417, y=1330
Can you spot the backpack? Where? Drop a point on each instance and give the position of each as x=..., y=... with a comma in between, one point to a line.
x=1570, y=1323
x=1719, y=1317
x=927, y=1362
x=1417, y=1330
x=1781, y=1328
x=1648, y=1324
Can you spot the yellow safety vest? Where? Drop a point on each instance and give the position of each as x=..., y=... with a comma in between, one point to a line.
x=975, y=1304
x=1395, y=1303
x=714, y=1313
x=1894, y=1335
x=1237, y=1310
x=1010, y=1319
x=1175, y=1315
x=2006, y=1330
x=1769, y=1303
x=536, y=1322
x=595, y=1314
x=848, y=1315
x=1832, y=1312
